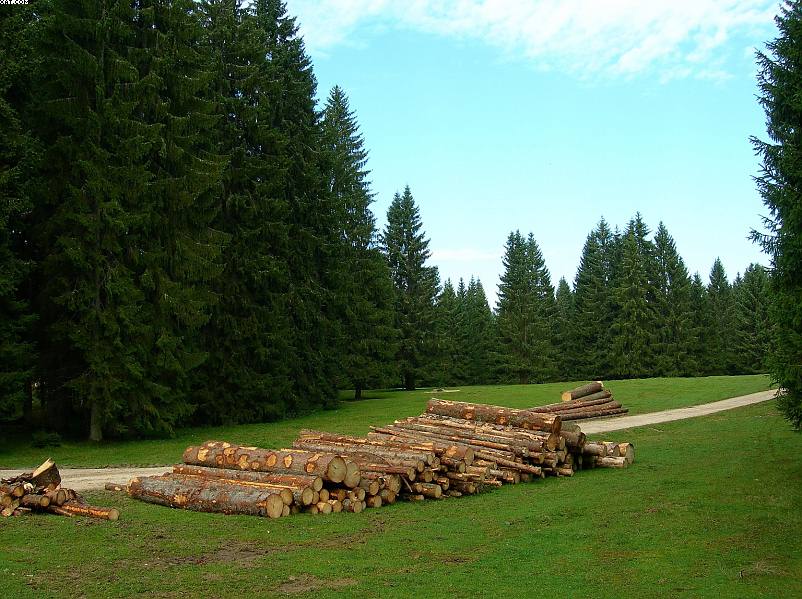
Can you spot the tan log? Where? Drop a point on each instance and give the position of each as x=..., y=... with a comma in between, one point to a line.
x=485, y=431
x=285, y=480
x=420, y=459
x=323, y=495
x=336, y=505
x=612, y=449
x=80, y=509
x=612, y=462
x=338, y=494
x=324, y=507
x=14, y=490
x=495, y=414
x=595, y=448
x=207, y=495
x=388, y=496
x=352, y=474
x=589, y=400
x=328, y=466
x=627, y=450
x=32, y=500
x=407, y=472
x=582, y=391
x=372, y=486
x=373, y=501
x=355, y=506
x=582, y=415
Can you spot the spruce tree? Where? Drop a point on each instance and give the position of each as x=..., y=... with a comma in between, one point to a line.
x=363, y=287
x=752, y=321
x=416, y=286
x=698, y=348
x=479, y=335
x=525, y=310
x=593, y=304
x=721, y=312
x=673, y=308
x=563, y=332
x=448, y=333
x=779, y=80
x=18, y=153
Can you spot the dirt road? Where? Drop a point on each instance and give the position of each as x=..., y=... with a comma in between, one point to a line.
x=82, y=479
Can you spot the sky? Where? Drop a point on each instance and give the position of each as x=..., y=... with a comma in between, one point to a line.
x=546, y=115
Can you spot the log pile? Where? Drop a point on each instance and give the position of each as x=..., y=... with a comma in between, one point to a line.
x=41, y=491
x=451, y=450
x=588, y=401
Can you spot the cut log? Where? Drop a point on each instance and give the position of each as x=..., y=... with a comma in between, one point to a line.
x=207, y=495
x=291, y=481
x=352, y=474
x=32, y=500
x=582, y=391
x=627, y=450
x=75, y=508
x=373, y=501
x=495, y=414
x=612, y=462
x=328, y=466
x=591, y=400
x=582, y=414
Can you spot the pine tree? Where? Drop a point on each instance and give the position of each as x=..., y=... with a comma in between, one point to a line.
x=477, y=336
x=753, y=326
x=593, y=304
x=563, y=332
x=416, y=286
x=673, y=308
x=18, y=152
x=698, y=349
x=632, y=331
x=721, y=332
x=364, y=292
x=525, y=309
x=448, y=333
x=780, y=79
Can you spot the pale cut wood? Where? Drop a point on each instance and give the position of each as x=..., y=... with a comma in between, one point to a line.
x=582, y=391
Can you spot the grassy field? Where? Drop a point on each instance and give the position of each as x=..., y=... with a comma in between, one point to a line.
x=711, y=508
x=646, y=395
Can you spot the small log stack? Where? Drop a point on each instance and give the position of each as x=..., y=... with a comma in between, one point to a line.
x=588, y=401
x=451, y=450
x=41, y=491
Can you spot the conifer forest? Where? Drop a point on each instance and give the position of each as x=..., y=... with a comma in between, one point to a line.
x=187, y=237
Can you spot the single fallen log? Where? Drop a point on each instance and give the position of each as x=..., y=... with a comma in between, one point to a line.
x=495, y=414
x=290, y=481
x=584, y=402
x=582, y=391
x=74, y=508
x=329, y=467
x=207, y=495
x=596, y=414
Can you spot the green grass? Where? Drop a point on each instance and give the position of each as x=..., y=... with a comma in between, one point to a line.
x=645, y=395
x=712, y=507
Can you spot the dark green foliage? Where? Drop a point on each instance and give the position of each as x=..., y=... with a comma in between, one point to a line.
x=780, y=80
x=450, y=356
x=478, y=336
x=593, y=305
x=363, y=288
x=673, y=309
x=633, y=330
x=719, y=337
x=416, y=286
x=563, y=332
x=752, y=322
x=18, y=153
x=525, y=312
x=699, y=326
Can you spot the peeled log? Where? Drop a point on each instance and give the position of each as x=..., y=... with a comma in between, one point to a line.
x=495, y=414
x=218, y=454
x=582, y=391
x=73, y=508
x=207, y=495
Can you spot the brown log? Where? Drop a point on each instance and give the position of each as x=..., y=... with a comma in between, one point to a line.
x=388, y=496
x=219, y=454
x=14, y=490
x=595, y=448
x=612, y=462
x=466, y=441
x=338, y=494
x=582, y=391
x=627, y=450
x=565, y=471
x=9, y=510
x=357, y=494
x=397, y=446
x=495, y=414
x=373, y=501
x=75, y=508
x=336, y=505
x=392, y=455
x=593, y=399
x=31, y=500
x=389, y=481
x=382, y=469
x=290, y=481
x=207, y=495
x=352, y=474
x=5, y=500
x=323, y=495
x=600, y=414
x=486, y=431
x=511, y=464
x=612, y=449
x=371, y=486
x=324, y=507
x=606, y=407
x=573, y=441
x=350, y=505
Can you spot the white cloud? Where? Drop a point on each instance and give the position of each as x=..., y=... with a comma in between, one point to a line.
x=586, y=37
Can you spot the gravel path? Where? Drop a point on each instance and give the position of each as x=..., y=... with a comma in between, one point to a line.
x=83, y=479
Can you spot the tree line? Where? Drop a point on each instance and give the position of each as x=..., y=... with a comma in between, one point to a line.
x=186, y=238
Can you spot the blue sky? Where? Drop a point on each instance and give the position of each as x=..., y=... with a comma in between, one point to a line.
x=545, y=116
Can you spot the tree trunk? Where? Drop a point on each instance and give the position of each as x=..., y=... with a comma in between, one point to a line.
x=95, y=424
x=409, y=381
x=357, y=392
x=328, y=466
x=207, y=495
x=582, y=391
x=495, y=414
x=27, y=404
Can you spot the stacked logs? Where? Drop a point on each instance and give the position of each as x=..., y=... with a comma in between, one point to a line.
x=588, y=401
x=451, y=450
x=41, y=491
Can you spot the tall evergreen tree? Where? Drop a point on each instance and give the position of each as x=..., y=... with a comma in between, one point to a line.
x=780, y=79
x=416, y=286
x=525, y=309
x=721, y=332
x=753, y=326
x=18, y=152
x=448, y=333
x=477, y=337
x=563, y=332
x=593, y=304
x=698, y=348
x=673, y=308
x=633, y=328
x=363, y=289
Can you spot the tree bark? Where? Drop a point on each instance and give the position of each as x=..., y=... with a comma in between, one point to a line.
x=495, y=414
x=582, y=391
x=328, y=466
x=291, y=481
x=207, y=495
x=95, y=423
